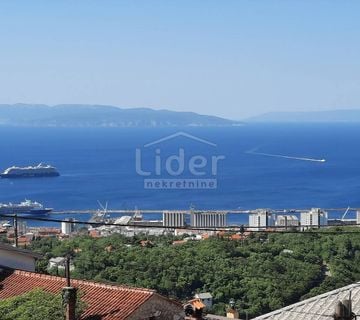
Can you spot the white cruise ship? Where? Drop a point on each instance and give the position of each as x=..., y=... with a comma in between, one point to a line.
x=41, y=170
x=25, y=207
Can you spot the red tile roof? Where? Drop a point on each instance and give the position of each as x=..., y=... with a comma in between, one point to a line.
x=197, y=303
x=108, y=301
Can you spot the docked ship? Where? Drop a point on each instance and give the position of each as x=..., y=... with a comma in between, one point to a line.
x=41, y=170
x=26, y=207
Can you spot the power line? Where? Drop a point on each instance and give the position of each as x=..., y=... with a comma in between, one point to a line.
x=232, y=211
x=280, y=229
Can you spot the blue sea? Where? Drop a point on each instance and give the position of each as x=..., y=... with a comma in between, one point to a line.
x=100, y=164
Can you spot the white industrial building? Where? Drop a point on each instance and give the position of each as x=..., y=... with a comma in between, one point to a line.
x=208, y=219
x=358, y=217
x=123, y=220
x=173, y=219
x=315, y=218
x=287, y=221
x=67, y=227
x=261, y=219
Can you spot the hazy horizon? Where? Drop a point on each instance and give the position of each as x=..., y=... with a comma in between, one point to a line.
x=230, y=59
x=203, y=114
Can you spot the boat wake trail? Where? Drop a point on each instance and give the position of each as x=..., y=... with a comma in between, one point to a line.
x=253, y=151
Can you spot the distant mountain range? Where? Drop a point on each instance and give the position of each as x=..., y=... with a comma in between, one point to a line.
x=68, y=115
x=350, y=115
x=75, y=115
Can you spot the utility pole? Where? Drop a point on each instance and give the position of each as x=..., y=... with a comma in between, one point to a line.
x=69, y=294
x=16, y=230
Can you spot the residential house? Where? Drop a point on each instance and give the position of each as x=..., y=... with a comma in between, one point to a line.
x=206, y=298
x=321, y=307
x=17, y=258
x=102, y=301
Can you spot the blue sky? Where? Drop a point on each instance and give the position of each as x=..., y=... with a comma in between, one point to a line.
x=228, y=58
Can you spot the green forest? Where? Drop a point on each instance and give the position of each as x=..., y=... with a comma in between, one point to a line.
x=262, y=273
x=35, y=305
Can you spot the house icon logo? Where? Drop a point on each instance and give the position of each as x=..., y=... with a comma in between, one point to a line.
x=170, y=166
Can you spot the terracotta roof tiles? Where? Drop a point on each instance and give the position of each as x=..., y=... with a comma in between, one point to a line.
x=105, y=300
x=197, y=303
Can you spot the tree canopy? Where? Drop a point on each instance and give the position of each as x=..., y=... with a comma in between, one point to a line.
x=35, y=305
x=262, y=273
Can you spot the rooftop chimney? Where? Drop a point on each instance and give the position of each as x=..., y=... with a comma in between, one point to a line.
x=343, y=310
x=232, y=313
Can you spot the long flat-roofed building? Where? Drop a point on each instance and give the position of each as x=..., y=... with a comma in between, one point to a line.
x=287, y=221
x=315, y=218
x=173, y=219
x=208, y=219
x=261, y=219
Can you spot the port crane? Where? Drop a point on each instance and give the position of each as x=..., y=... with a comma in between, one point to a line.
x=100, y=215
